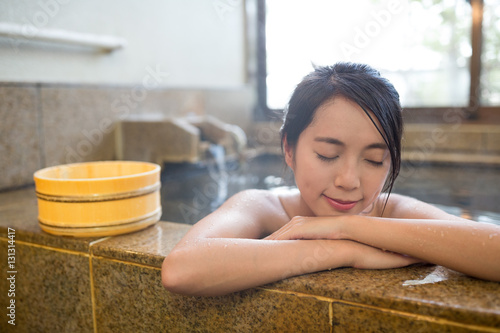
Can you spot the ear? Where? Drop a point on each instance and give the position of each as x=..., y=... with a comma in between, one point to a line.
x=289, y=153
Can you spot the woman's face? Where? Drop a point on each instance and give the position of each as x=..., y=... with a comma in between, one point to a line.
x=340, y=161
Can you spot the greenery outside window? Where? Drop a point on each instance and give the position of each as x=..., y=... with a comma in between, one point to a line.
x=440, y=54
x=490, y=71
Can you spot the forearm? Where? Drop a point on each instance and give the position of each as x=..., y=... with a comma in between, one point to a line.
x=466, y=246
x=215, y=266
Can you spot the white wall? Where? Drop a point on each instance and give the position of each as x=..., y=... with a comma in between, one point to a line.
x=188, y=43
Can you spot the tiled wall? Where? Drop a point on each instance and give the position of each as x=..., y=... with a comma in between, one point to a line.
x=460, y=143
x=45, y=125
x=455, y=143
x=113, y=284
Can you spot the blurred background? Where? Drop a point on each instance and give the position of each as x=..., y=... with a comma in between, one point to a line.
x=170, y=81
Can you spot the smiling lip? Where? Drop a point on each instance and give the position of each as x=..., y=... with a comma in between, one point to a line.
x=341, y=205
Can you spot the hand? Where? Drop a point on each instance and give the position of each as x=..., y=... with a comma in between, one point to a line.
x=304, y=227
x=367, y=257
x=331, y=227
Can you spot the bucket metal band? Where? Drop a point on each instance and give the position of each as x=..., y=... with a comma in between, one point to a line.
x=99, y=197
x=103, y=230
x=153, y=216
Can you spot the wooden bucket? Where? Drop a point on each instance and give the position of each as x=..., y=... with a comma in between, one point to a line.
x=98, y=198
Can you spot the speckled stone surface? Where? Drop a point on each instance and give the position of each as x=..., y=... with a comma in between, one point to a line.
x=457, y=298
x=149, y=246
x=59, y=124
x=19, y=210
x=114, y=283
x=158, y=141
x=78, y=123
x=19, y=116
x=172, y=102
x=349, y=318
x=130, y=298
x=230, y=106
x=52, y=290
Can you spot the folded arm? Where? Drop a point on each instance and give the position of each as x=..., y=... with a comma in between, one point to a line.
x=222, y=253
x=416, y=229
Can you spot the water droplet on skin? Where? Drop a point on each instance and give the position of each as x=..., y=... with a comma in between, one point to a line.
x=442, y=234
x=492, y=235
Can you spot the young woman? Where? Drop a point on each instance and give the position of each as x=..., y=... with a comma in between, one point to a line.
x=342, y=138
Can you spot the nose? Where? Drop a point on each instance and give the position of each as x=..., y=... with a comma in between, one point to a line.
x=347, y=177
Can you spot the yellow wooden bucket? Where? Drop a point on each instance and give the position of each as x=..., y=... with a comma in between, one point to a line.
x=98, y=198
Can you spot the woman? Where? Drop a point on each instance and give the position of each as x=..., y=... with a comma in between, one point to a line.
x=342, y=138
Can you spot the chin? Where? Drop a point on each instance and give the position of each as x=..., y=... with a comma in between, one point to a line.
x=331, y=212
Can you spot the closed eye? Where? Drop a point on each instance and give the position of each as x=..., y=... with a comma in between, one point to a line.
x=375, y=163
x=325, y=158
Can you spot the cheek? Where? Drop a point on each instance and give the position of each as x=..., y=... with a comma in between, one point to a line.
x=374, y=181
x=311, y=175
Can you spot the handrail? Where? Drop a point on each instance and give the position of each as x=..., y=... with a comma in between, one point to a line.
x=107, y=43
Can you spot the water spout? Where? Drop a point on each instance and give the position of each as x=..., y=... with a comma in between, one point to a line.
x=218, y=173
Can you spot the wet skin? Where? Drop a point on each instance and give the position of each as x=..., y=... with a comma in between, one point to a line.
x=341, y=161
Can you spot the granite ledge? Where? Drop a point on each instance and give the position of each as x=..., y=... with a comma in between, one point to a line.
x=19, y=211
x=147, y=247
x=456, y=297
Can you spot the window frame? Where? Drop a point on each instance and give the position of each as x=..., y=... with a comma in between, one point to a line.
x=474, y=112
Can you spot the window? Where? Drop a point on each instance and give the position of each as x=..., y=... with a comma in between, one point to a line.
x=490, y=71
x=425, y=47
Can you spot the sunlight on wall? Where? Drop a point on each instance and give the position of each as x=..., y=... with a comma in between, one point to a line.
x=194, y=43
x=422, y=47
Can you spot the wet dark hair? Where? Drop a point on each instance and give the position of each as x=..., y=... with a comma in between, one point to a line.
x=359, y=83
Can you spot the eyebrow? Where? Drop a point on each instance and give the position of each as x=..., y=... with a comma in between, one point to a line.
x=333, y=141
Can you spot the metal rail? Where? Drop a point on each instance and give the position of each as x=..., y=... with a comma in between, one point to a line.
x=106, y=43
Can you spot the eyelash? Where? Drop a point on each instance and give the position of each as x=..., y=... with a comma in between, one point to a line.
x=375, y=163
x=326, y=159
x=329, y=159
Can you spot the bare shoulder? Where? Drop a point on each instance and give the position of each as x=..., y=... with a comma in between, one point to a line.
x=247, y=214
x=263, y=204
x=292, y=202
x=405, y=207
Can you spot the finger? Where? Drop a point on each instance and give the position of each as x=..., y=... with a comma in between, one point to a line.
x=292, y=231
x=281, y=232
x=278, y=235
x=306, y=228
x=400, y=260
